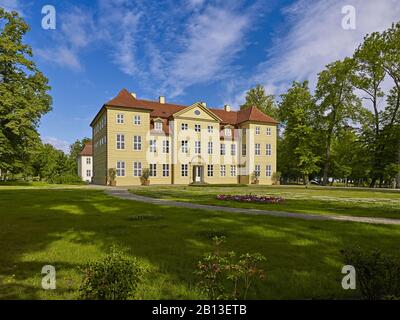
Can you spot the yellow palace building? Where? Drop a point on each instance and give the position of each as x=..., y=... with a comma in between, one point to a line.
x=182, y=144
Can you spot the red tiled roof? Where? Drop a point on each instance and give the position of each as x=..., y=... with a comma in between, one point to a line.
x=87, y=149
x=166, y=110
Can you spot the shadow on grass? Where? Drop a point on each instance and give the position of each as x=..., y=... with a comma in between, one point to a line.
x=68, y=228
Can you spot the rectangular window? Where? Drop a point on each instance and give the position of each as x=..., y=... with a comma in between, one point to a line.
x=158, y=126
x=210, y=170
x=153, y=145
x=137, y=169
x=223, y=171
x=184, y=146
x=165, y=146
x=197, y=147
x=88, y=173
x=120, y=168
x=137, y=143
x=257, y=130
x=268, y=170
x=120, y=141
x=120, y=118
x=210, y=129
x=227, y=132
x=137, y=120
x=88, y=160
x=184, y=171
x=197, y=128
x=233, y=171
x=210, y=147
x=153, y=170
x=165, y=170
x=257, y=149
x=233, y=149
x=222, y=149
x=184, y=126
x=243, y=149
x=257, y=170
x=268, y=150
x=269, y=132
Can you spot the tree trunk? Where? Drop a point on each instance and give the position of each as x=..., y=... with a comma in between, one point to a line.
x=398, y=175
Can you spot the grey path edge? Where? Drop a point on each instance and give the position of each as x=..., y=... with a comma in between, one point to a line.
x=125, y=194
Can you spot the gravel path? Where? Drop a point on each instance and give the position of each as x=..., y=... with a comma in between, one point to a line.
x=125, y=194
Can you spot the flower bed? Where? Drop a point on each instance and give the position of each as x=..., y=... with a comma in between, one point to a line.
x=251, y=198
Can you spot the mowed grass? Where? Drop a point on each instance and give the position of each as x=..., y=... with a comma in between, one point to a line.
x=298, y=199
x=68, y=228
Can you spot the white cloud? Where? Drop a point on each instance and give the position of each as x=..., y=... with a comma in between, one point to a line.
x=57, y=143
x=316, y=38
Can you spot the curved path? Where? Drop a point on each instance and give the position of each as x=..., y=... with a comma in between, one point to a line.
x=125, y=194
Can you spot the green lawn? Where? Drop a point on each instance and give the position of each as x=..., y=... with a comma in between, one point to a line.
x=298, y=199
x=67, y=228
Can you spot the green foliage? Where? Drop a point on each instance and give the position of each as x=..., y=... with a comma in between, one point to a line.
x=113, y=278
x=225, y=276
x=112, y=174
x=23, y=91
x=145, y=175
x=258, y=98
x=377, y=274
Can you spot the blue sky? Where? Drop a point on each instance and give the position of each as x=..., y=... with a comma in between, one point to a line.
x=188, y=50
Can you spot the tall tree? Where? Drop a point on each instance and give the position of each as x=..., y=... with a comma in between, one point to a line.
x=297, y=113
x=258, y=98
x=338, y=103
x=23, y=91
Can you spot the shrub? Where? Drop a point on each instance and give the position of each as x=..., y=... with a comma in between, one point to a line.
x=145, y=176
x=377, y=274
x=66, y=178
x=113, y=278
x=224, y=276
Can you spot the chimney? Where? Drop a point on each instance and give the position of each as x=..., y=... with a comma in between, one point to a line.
x=227, y=107
x=204, y=104
x=161, y=99
x=133, y=94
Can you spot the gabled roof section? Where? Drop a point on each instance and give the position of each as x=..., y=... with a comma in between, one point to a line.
x=87, y=150
x=200, y=106
x=254, y=114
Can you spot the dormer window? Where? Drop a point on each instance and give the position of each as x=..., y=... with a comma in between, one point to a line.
x=158, y=126
x=227, y=132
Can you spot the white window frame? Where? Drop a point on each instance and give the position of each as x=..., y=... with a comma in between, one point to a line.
x=210, y=170
x=227, y=132
x=184, y=170
x=197, y=147
x=233, y=170
x=165, y=170
x=268, y=131
x=121, y=169
x=120, y=141
x=257, y=149
x=120, y=118
x=153, y=145
x=184, y=126
x=258, y=130
x=137, y=143
x=257, y=170
x=222, y=170
x=137, y=169
x=268, y=149
x=210, y=129
x=197, y=128
x=88, y=160
x=184, y=146
x=158, y=126
x=233, y=149
x=153, y=169
x=210, y=147
x=88, y=173
x=165, y=146
x=137, y=120
x=268, y=170
x=222, y=149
